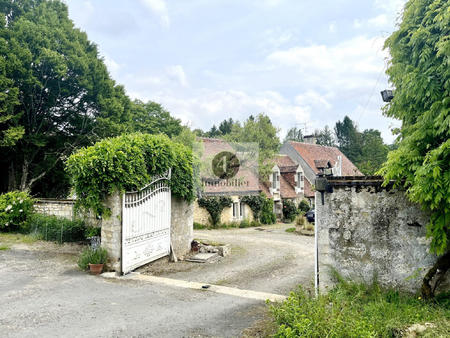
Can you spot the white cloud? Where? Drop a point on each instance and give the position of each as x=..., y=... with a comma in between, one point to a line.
x=159, y=8
x=311, y=98
x=113, y=66
x=348, y=65
x=332, y=27
x=379, y=21
x=177, y=73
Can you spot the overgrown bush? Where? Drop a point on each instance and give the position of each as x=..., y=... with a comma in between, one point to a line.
x=199, y=226
x=255, y=202
x=267, y=214
x=215, y=205
x=303, y=206
x=125, y=163
x=56, y=229
x=255, y=223
x=301, y=220
x=244, y=223
x=91, y=231
x=15, y=209
x=354, y=310
x=289, y=210
x=92, y=256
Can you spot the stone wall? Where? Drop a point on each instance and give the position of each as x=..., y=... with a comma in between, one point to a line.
x=112, y=232
x=366, y=232
x=62, y=208
x=182, y=226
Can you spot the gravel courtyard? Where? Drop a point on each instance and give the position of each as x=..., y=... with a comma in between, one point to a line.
x=44, y=294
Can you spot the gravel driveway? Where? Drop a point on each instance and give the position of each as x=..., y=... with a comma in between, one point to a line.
x=44, y=294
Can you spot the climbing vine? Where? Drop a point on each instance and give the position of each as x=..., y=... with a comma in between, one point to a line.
x=126, y=163
x=255, y=202
x=215, y=205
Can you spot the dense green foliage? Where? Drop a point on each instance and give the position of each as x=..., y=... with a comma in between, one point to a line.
x=56, y=229
x=325, y=137
x=420, y=71
x=59, y=93
x=255, y=202
x=92, y=256
x=352, y=310
x=365, y=149
x=127, y=163
x=294, y=134
x=267, y=215
x=215, y=205
x=304, y=206
x=16, y=207
x=261, y=131
x=289, y=210
x=152, y=118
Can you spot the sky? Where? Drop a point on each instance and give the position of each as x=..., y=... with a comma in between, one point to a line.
x=304, y=63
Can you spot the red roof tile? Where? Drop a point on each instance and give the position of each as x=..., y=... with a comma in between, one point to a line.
x=310, y=152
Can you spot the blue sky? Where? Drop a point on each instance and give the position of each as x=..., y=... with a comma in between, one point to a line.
x=298, y=61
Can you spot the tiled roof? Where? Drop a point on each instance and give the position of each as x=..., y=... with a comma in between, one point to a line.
x=310, y=152
x=244, y=182
x=322, y=164
x=286, y=189
x=308, y=191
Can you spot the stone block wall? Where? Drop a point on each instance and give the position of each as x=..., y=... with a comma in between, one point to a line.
x=182, y=226
x=62, y=208
x=112, y=232
x=366, y=232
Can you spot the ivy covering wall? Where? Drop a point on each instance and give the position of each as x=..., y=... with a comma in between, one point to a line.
x=127, y=163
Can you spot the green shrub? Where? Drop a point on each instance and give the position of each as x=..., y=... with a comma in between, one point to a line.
x=255, y=223
x=354, y=310
x=255, y=202
x=290, y=229
x=127, y=163
x=92, y=256
x=303, y=206
x=199, y=226
x=215, y=205
x=300, y=220
x=57, y=229
x=244, y=223
x=289, y=210
x=91, y=231
x=15, y=209
x=267, y=214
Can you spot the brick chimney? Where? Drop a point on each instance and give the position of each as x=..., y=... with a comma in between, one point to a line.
x=311, y=139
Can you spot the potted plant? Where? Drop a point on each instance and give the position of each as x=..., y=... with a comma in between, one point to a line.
x=93, y=259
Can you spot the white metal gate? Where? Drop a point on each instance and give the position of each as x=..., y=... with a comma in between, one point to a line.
x=146, y=224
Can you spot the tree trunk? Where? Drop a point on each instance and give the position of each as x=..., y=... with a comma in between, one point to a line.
x=24, y=178
x=438, y=270
x=12, y=177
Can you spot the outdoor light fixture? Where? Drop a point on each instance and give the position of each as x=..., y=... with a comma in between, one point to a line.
x=387, y=95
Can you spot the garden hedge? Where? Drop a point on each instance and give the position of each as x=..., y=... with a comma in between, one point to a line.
x=127, y=163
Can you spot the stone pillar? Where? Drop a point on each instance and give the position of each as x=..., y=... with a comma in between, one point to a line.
x=112, y=231
x=182, y=226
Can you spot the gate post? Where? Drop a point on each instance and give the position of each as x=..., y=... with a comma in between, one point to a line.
x=112, y=232
x=182, y=227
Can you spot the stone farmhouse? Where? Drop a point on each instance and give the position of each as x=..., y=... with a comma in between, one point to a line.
x=292, y=177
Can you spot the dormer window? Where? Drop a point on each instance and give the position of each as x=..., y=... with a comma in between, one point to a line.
x=275, y=180
x=300, y=179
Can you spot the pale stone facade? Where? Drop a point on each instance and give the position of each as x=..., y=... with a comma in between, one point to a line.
x=202, y=216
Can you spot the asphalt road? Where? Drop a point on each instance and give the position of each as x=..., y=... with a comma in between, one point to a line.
x=42, y=294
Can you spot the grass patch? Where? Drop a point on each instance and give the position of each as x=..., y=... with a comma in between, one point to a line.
x=290, y=229
x=355, y=310
x=4, y=247
x=14, y=238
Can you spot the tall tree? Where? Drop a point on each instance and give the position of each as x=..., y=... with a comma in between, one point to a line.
x=348, y=139
x=152, y=118
x=294, y=134
x=419, y=69
x=374, y=152
x=226, y=126
x=261, y=131
x=59, y=94
x=325, y=137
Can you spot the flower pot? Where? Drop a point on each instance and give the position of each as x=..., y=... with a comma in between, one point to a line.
x=95, y=269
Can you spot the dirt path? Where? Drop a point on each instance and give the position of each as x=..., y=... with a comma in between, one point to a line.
x=269, y=260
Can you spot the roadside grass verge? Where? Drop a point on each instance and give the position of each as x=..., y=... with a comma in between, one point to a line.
x=15, y=238
x=356, y=310
x=4, y=247
x=290, y=230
